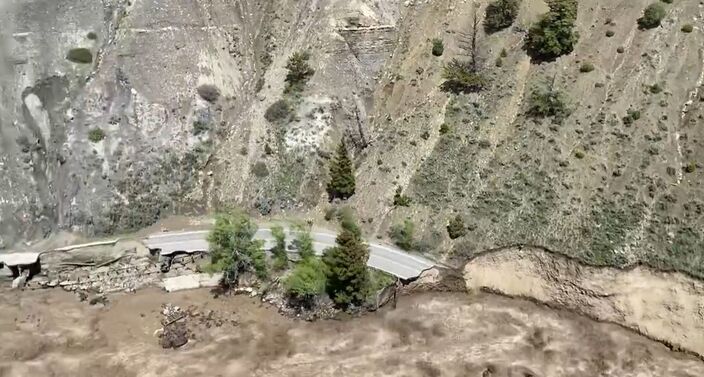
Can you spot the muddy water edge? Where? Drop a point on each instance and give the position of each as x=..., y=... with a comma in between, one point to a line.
x=51, y=333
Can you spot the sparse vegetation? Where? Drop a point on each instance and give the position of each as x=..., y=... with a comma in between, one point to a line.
x=652, y=16
x=402, y=234
x=444, y=129
x=278, y=111
x=233, y=249
x=610, y=33
x=547, y=102
x=500, y=15
x=92, y=36
x=620, y=50
x=687, y=28
x=690, y=167
x=208, y=92
x=96, y=135
x=579, y=154
x=655, y=88
x=200, y=127
x=80, y=55
x=461, y=77
x=438, y=47
x=346, y=267
x=342, y=182
x=632, y=115
x=456, y=227
x=553, y=35
x=586, y=67
x=299, y=72
x=401, y=200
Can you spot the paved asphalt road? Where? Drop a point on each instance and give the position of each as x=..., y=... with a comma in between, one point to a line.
x=385, y=258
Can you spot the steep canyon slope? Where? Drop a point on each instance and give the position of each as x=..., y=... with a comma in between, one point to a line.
x=115, y=143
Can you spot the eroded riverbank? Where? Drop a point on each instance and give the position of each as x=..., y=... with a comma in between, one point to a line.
x=435, y=334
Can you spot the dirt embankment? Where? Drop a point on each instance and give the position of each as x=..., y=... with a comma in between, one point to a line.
x=666, y=306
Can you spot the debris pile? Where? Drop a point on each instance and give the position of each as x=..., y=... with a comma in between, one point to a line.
x=179, y=325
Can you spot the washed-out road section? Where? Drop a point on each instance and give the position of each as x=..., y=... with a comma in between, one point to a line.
x=381, y=257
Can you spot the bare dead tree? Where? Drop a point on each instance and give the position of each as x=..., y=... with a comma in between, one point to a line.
x=467, y=40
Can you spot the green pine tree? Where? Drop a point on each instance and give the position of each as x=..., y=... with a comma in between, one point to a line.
x=346, y=265
x=341, y=183
x=278, y=252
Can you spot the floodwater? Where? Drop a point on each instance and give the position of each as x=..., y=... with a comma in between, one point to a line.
x=51, y=333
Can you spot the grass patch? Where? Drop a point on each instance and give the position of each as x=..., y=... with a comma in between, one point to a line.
x=96, y=135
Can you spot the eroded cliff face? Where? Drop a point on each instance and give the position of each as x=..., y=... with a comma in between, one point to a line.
x=666, y=306
x=595, y=186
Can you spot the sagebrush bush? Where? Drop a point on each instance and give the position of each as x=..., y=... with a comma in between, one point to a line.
x=80, y=55
x=610, y=33
x=501, y=14
x=546, y=102
x=208, y=92
x=456, y=228
x=278, y=111
x=95, y=135
x=461, y=77
x=438, y=47
x=586, y=67
x=652, y=16
x=687, y=28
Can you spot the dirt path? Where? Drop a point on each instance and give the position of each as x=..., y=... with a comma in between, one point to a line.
x=51, y=333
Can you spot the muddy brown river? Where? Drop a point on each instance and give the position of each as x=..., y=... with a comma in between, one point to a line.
x=51, y=333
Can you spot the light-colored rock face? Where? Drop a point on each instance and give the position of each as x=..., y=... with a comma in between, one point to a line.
x=662, y=305
x=148, y=58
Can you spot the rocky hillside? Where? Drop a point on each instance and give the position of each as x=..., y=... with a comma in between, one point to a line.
x=114, y=113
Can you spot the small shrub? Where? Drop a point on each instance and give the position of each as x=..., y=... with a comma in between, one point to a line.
x=260, y=170
x=553, y=35
x=425, y=135
x=503, y=53
x=200, y=127
x=208, y=92
x=655, y=88
x=267, y=150
x=444, y=128
x=92, y=36
x=461, y=77
x=610, y=33
x=667, y=1
x=586, y=67
x=278, y=111
x=402, y=234
x=499, y=62
x=330, y=213
x=438, y=47
x=687, y=28
x=456, y=227
x=579, y=154
x=96, y=135
x=690, y=167
x=80, y=55
x=501, y=14
x=401, y=200
x=652, y=16
x=299, y=71
x=631, y=116
x=620, y=50
x=547, y=102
